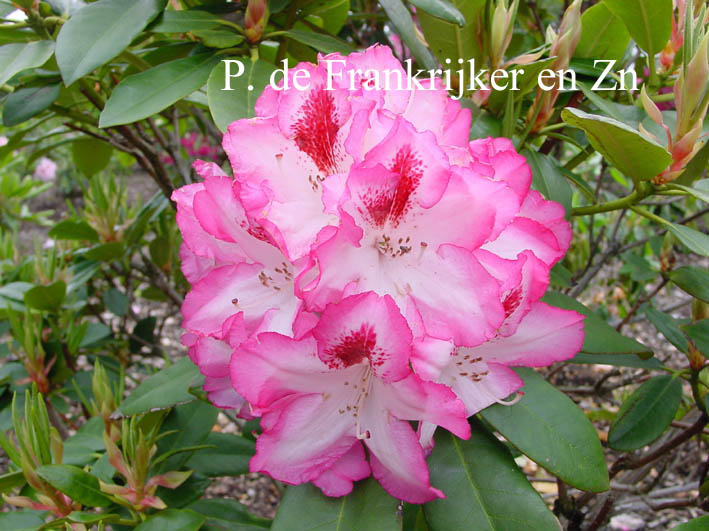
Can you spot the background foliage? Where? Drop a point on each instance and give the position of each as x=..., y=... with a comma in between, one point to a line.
x=103, y=420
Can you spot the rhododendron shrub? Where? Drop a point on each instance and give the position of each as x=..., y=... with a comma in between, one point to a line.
x=365, y=267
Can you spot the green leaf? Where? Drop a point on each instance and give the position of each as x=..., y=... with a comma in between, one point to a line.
x=227, y=106
x=484, y=487
x=90, y=155
x=74, y=482
x=321, y=42
x=603, y=35
x=166, y=388
x=160, y=249
x=448, y=41
x=218, y=38
x=183, y=21
x=227, y=515
x=635, y=155
x=90, y=518
x=548, y=179
x=551, y=430
x=99, y=32
x=646, y=414
x=17, y=57
x=182, y=519
x=95, y=332
x=699, y=333
x=700, y=190
x=46, y=298
x=400, y=18
x=144, y=94
x=27, y=102
x=333, y=13
x=305, y=508
x=441, y=9
x=116, y=301
x=69, y=229
x=11, y=480
x=21, y=519
x=667, y=326
x=693, y=280
x=697, y=524
x=230, y=457
x=189, y=492
x=80, y=449
x=696, y=241
x=192, y=423
x=105, y=252
x=600, y=338
x=648, y=21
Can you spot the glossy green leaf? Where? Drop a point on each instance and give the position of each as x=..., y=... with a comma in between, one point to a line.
x=667, y=326
x=695, y=241
x=182, y=519
x=551, y=430
x=69, y=229
x=144, y=94
x=696, y=524
x=190, y=491
x=646, y=414
x=46, y=298
x=603, y=35
x=321, y=42
x=484, y=487
x=447, y=40
x=105, y=252
x=600, y=337
x=95, y=332
x=305, y=508
x=230, y=457
x=648, y=21
x=90, y=155
x=75, y=483
x=400, y=18
x=227, y=106
x=333, y=13
x=216, y=38
x=99, y=32
x=192, y=424
x=80, y=449
x=166, y=388
x=635, y=155
x=85, y=517
x=617, y=360
x=17, y=57
x=28, y=102
x=441, y=9
x=116, y=301
x=11, y=480
x=693, y=280
x=227, y=515
x=548, y=179
x=172, y=21
x=699, y=333
x=700, y=189
x=21, y=519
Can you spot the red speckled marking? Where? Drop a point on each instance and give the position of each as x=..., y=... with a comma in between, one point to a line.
x=512, y=301
x=316, y=129
x=385, y=205
x=354, y=348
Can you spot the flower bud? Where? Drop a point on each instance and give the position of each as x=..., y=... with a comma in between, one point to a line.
x=696, y=358
x=256, y=18
x=700, y=310
x=501, y=29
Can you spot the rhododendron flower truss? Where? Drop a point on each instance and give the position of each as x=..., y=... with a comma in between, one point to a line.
x=367, y=266
x=348, y=381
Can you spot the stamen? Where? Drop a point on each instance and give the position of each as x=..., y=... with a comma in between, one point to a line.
x=511, y=402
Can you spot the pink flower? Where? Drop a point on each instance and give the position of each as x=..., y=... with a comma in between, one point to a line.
x=348, y=381
x=3, y=140
x=366, y=267
x=46, y=169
